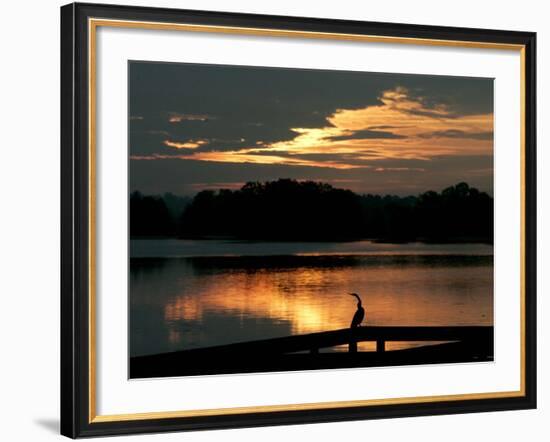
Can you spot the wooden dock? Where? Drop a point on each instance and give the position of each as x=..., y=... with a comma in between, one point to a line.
x=299, y=352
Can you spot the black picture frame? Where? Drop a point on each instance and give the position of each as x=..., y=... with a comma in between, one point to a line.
x=77, y=416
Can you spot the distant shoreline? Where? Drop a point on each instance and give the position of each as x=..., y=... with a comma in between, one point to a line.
x=289, y=210
x=424, y=240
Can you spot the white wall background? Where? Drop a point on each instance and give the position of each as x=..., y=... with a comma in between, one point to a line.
x=29, y=220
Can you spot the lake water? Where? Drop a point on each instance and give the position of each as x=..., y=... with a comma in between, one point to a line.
x=187, y=294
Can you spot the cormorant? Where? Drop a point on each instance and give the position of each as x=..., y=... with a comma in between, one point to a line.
x=359, y=314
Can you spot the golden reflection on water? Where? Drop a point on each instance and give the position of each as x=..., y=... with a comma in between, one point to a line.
x=279, y=295
x=306, y=299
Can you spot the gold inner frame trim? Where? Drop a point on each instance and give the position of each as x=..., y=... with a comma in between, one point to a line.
x=93, y=24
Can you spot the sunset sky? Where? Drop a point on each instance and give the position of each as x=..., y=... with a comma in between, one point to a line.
x=195, y=127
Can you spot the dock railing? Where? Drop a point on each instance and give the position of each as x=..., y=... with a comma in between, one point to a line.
x=313, y=342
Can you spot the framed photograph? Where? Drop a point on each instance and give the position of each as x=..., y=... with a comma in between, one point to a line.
x=279, y=220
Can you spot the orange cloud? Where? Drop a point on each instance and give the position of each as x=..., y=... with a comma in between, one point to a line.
x=408, y=120
x=191, y=144
x=255, y=156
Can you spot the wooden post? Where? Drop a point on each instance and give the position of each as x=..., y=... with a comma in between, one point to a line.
x=352, y=341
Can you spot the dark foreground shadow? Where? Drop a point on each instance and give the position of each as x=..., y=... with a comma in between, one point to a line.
x=301, y=352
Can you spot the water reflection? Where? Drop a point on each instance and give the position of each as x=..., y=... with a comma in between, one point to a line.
x=182, y=303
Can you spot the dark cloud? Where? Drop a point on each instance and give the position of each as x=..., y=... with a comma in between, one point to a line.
x=367, y=134
x=383, y=127
x=454, y=133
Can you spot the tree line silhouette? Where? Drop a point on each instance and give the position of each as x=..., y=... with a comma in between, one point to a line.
x=293, y=210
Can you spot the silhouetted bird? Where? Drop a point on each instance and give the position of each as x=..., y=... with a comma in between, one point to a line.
x=359, y=314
